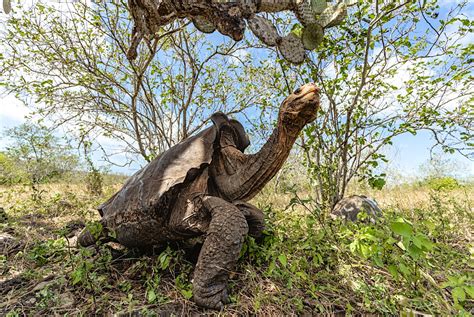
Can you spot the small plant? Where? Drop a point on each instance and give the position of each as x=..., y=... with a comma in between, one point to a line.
x=95, y=181
x=184, y=286
x=44, y=252
x=462, y=288
x=82, y=270
x=47, y=298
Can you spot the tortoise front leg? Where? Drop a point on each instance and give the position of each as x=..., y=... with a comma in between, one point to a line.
x=219, y=253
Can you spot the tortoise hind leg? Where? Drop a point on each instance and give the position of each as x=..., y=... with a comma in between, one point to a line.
x=86, y=238
x=219, y=253
x=255, y=218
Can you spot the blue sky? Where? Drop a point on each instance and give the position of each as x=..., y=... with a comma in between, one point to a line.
x=406, y=155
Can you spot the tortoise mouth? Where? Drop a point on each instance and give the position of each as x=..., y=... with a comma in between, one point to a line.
x=311, y=95
x=309, y=91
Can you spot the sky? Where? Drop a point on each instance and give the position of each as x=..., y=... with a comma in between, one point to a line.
x=407, y=155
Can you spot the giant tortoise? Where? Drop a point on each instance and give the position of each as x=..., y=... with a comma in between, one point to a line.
x=200, y=187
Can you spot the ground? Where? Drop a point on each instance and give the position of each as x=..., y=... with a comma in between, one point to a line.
x=418, y=257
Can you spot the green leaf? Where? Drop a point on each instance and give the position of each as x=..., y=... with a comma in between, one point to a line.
x=111, y=233
x=423, y=242
x=282, y=259
x=417, y=242
x=378, y=261
x=402, y=228
x=302, y=275
x=187, y=293
x=393, y=270
x=411, y=130
x=271, y=267
x=77, y=276
x=458, y=294
x=404, y=269
x=414, y=251
x=164, y=261
x=378, y=183
x=469, y=289
x=151, y=295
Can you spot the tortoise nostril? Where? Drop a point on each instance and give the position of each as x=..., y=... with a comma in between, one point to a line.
x=297, y=91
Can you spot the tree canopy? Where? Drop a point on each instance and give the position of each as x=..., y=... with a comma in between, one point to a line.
x=388, y=69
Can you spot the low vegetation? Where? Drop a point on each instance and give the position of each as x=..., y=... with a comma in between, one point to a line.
x=417, y=258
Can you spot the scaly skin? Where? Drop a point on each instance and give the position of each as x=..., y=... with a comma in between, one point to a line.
x=219, y=253
x=241, y=176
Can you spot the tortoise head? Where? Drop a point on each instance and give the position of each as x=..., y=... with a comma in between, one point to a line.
x=301, y=107
x=230, y=131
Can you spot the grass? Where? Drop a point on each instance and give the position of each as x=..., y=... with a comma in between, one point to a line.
x=417, y=258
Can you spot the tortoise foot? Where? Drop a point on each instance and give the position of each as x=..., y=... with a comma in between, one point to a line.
x=216, y=301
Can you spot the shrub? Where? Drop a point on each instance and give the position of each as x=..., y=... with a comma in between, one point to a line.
x=442, y=183
x=10, y=172
x=35, y=155
x=95, y=182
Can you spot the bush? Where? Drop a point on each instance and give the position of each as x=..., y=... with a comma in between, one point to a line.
x=10, y=172
x=35, y=156
x=95, y=182
x=442, y=183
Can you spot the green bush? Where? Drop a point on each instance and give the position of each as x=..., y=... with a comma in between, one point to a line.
x=405, y=262
x=10, y=172
x=442, y=183
x=35, y=156
x=95, y=182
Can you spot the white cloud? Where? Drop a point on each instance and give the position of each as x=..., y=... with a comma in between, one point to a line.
x=12, y=111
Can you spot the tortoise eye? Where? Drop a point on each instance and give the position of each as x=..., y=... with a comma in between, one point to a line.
x=297, y=91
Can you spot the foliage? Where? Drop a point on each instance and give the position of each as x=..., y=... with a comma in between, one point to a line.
x=35, y=155
x=94, y=181
x=390, y=68
x=145, y=106
x=9, y=173
x=394, y=265
x=94, y=178
x=442, y=183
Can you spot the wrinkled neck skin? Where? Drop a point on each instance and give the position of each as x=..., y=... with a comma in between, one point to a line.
x=239, y=176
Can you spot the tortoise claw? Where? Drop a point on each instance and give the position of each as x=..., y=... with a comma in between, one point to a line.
x=216, y=301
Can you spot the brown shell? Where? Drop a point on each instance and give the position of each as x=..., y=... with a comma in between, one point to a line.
x=144, y=190
x=349, y=208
